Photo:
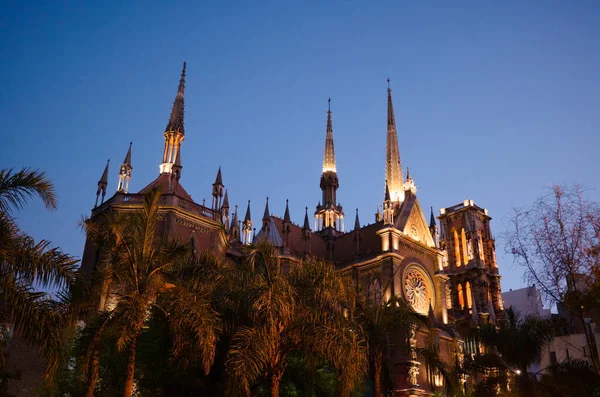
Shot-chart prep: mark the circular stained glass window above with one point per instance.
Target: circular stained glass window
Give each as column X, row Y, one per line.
column 418, row 290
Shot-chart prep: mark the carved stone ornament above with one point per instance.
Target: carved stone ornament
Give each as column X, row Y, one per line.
column 413, row 373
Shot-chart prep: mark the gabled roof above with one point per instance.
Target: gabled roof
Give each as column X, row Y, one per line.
column 410, row 213
column 162, row 183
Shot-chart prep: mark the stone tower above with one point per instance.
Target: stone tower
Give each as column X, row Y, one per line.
column 329, row 215
column 473, row 293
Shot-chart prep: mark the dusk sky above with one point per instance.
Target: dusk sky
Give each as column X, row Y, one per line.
column 494, row 101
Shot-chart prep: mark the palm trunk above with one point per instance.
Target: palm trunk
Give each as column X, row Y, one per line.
column 93, row 374
column 525, row 386
column 377, row 366
column 275, row 382
column 130, row 369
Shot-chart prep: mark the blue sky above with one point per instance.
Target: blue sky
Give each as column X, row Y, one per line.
column 494, row 100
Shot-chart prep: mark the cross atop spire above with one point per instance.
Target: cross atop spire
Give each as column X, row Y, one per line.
column 329, row 156
column 175, row 123
column 393, row 166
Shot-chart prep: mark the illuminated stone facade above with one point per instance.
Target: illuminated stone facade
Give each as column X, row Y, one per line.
column 452, row 277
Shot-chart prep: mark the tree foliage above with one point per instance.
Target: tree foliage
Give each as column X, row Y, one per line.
column 557, row 240
column 27, row 265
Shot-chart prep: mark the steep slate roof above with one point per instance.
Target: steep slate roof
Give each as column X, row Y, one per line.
column 274, row 235
column 317, row 244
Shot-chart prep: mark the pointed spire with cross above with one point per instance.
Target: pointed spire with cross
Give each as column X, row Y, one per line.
column 393, row 166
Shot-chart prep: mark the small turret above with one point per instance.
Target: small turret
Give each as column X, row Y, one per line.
column 234, row 228
column 378, row 215
column 247, row 227
column 357, row 232
column 102, row 184
column 388, row 207
column 306, row 233
column 125, row 172
column 433, row 228
column 217, row 192
column 225, row 211
column 409, row 184
column 266, row 219
column 287, row 228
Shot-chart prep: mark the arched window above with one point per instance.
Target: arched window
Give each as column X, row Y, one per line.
column 374, row 291
column 465, row 249
column 480, row 246
column 469, row 297
column 456, row 247
column 461, row 299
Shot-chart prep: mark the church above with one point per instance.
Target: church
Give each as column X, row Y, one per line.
column 445, row 269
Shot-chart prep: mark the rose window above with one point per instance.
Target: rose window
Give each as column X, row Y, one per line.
column 417, row 291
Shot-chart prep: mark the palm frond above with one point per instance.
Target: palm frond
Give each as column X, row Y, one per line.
column 16, row 188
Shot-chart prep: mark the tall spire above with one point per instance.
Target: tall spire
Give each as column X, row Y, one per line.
column 175, row 123
column 175, row 131
column 356, row 221
column 393, row 167
column 329, row 156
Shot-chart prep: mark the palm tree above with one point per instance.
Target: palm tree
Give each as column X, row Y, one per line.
column 26, row 265
column 297, row 312
column 140, row 276
column 517, row 344
column 379, row 321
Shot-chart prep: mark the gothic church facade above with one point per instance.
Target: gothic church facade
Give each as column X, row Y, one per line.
column 446, row 271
